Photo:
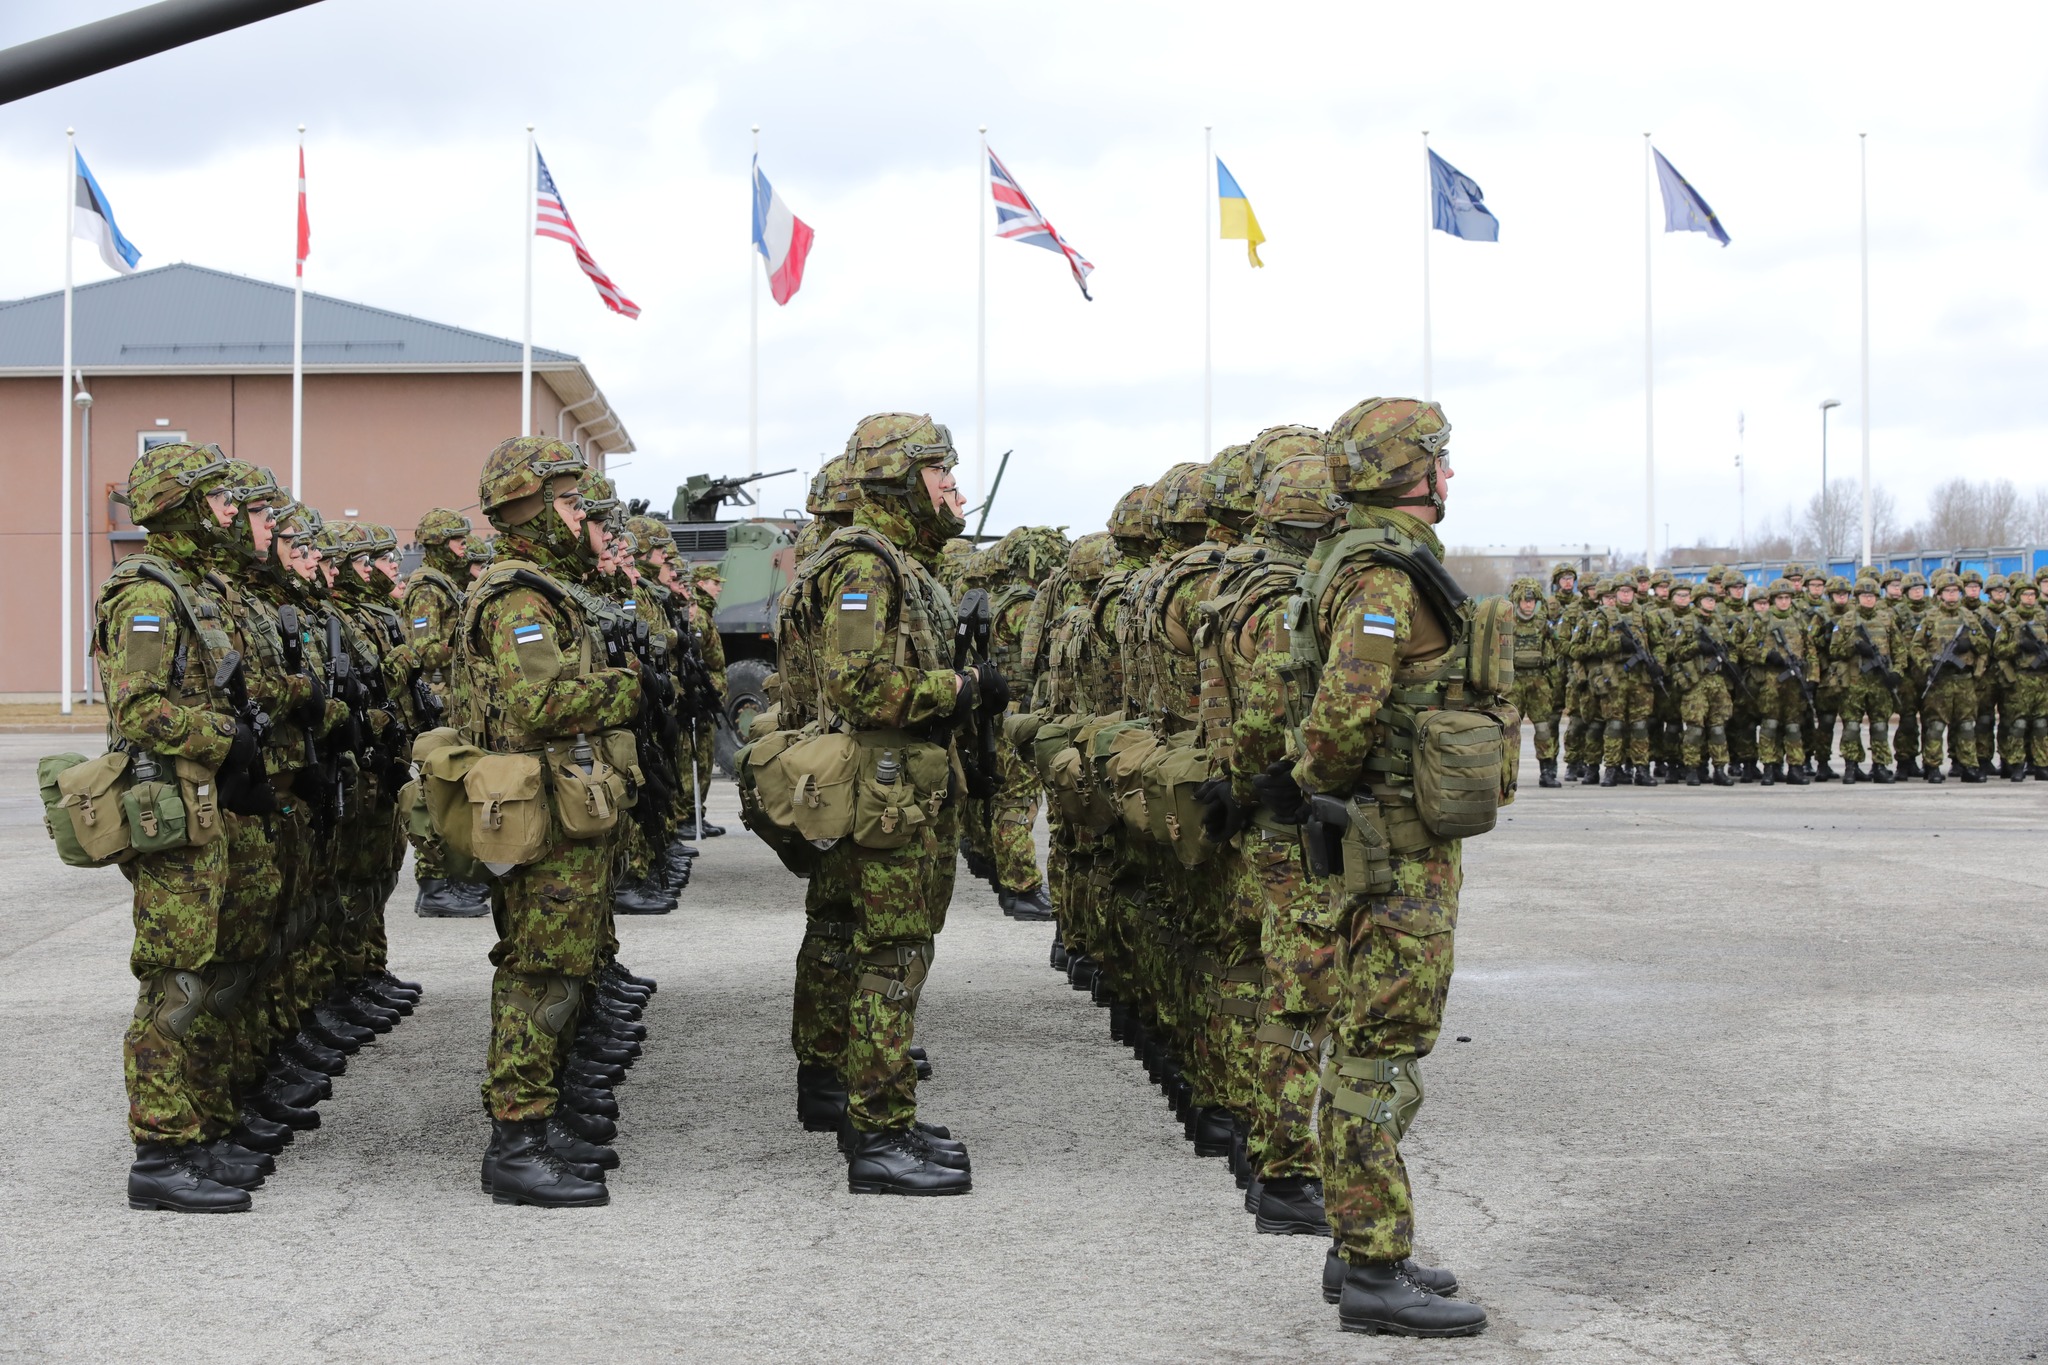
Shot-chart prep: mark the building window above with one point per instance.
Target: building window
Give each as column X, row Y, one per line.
column 146, row 441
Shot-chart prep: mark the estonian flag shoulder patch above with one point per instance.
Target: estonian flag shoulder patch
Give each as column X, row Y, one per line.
column 146, row 625
column 528, row 635
column 1372, row 623
column 853, row 601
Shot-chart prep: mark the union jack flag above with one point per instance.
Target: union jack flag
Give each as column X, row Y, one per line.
column 552, row 220
column 1018, row 220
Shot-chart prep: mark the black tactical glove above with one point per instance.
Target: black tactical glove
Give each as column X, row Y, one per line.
column 1222, row 816
column 993, row 690
column 1280, row 794
column 967, row 701
column 314, row 709
column 243, row 785
column 1775, row 659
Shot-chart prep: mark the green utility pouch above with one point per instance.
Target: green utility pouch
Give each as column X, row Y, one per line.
column 1460, row 769
column 165, row 809
column 1368, row 859
column 1490, row 646
column 901, row 786
column 412, row 811
column 765, row 797
column 622, row 751
column 1021, row 729
column 1117, row 755
column 82, row 807
column 587, row 799
column 444, row 761
column 1169, row 777
column 508, row 813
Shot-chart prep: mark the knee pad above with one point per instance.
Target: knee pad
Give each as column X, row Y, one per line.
column 549, row 998
column 1639, row 729
column 1966, row 728
column 1718, row 733
column 1694, row 734
column 1935, row 729
column 1792, row 732
column 2040, row 724
column 226, row 984
column 1767, row 726
column 1615, row 729
column 1349, row 1082
column 180, row 995
column 1546, row 729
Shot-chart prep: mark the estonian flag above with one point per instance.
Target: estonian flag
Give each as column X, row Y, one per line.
column 92, row 218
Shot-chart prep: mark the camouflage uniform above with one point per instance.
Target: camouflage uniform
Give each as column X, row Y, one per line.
column 1948, row 706
column 1536, row 684
column 1781, row 648
column 431, row 612
column 1865, row 646
column 1692, row 640
column 2022, row 654
column 1621, row 685
column 1907, row 609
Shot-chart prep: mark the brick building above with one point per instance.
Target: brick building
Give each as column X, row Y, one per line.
column 399, row 413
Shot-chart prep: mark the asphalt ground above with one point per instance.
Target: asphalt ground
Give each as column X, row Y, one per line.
column 1752, row 1076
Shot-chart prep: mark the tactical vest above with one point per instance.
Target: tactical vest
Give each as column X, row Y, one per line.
column 418, row 625
column 1254, row 578
column 256, row 625
column 1058, row 691
column 191, row 679
column 490, row 719
column 1529, row 644
column 1005, row 650
column 924, row 621
column 1099, row 671
column 1174, row 684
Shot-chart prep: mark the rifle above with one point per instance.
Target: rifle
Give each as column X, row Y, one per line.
column 970, row 646
column 2032, row 645
column 1946, row 657
column 626, row 641
column 288, row 627
column 1639, row 653
column 1877, row 661
column 700, row 694
column 1716, row 654
column 1792, row 666
column 343, row 686
column 232, row 679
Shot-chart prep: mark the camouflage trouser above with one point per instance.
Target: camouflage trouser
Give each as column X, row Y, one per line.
column 1741, row 728
column 896, row 900
column 824, row 970
column 1781, row 720
column 552, row 918
column 1867, row 699
column 176, row 1052
column 281, row 983
column 1113, row 901
column 1666, row 726
column 2026, row 726
column 366, row 848
column 1949, row 712
column 1827, row 707
column 1990, row 714
column 1704, row 708
column 1002, row 834
column 1536, row 698
column 1906, row 739
column 1582, row 737
column 1394, row 973
column 248, row 917
column 1624, row 710
column 1230, row 978
column 1300, row 949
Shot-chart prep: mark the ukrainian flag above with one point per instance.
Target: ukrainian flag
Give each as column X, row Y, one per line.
column 1239, row 222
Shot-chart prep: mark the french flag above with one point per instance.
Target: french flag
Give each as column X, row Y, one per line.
column 782, row 238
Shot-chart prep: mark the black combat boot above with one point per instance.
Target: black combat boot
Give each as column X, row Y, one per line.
column 328, row 1029
column 1909, row 766
column 490, row 1165
column 898, row 1161
column 1798, row 775
column 616, row 970
column 1751, row 770
column 209, row 1161
column 596, row 1074
column 642, row 898
column 266, row 1103
column 1547, row 767
column 411, row 988
column 1026, row 905
column 706, row 830
column 302, row 1088
column 1881, row 774
column 1693, row 775
column 2015, row 772
column 167, row 1177
column 1611, row 775
column 240, row 1154
column 528, row 1171
column 260, row 1134
column 1292, row 1206
column 1083, row 973
column 1644, row 778
column 440, row 898
column 1934, row 774
column 820, row 1099
column 573, row 1147
column 319, row 1057
column 1723, row 777
column 1971, row 773
column 1770, row 777
column 1213, row 1131
column 1240, row 1153
column 1851, row 774
column 934, row 1139
column 978, row 864
column 593, row 1049
column 1381, row 1296
column 583, row 1100
column 1435, row 1279
column 1057, row 958
column 587, row 1124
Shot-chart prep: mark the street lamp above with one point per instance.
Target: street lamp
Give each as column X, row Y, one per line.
column 1825, row 548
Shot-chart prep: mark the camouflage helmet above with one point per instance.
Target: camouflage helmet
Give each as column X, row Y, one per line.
column 1816, row 575
column 1184, row 499
column 1706, row 590
column 296, row 521
column 1127, row 518
column 1836, row 583
column 977, row 567
column 1238, row 474
column 1794, row 572
column 623, row 543
column 1945, row 578
column 1716, row 572
column 832, row 489
column 1523, row 588
column 162, row 477
column 341, row 540
column 1560, row 569
column 1089, row 558
column 1154, row 498
column 1781, row 587
column 478, row 551
column 1915, row 579
column 1972, row 576
column 378, row 540
column 888, row 448
column 1662, row 578
column 955, row 551
column 707, row 571
column 600, row 494
column 2023, row 585
column 517, row 473
column 1869, row 585
column 1296, row 495
column 439, row 526
column 1994, row 583
column 1676, row 585
column 1892, row 575
column 1604, row 586
column 1382, row 447
column 1029, row 554
column 650, row 534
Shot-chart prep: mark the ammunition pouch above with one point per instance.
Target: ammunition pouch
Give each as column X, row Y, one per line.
column 1168, row 780
column 82, row 809
column 890, row 814
column 587, row 800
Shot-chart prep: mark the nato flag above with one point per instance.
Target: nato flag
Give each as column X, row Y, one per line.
column 1460, row 203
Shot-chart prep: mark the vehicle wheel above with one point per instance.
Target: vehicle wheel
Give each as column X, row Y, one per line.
column 746, row 692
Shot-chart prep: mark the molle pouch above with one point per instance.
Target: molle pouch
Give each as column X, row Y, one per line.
column 1368, row 862
column 815, row 778
column 1169, row 777
column 758, row 777
column 1460, row 766
column 888, row 809
column 444, row 762
column 1053, row 736
column 1490, row 646
column 412, row 812
column 587, row 798
column 1066, row 777
column 508, row 813
column 622, row 751
column 1123, row 773
column 201, row 796
column 82, row 807
column 1510, row 751
column 154, row 812
column 1021, row 729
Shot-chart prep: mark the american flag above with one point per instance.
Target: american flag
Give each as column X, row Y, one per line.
column 1018, row 220
column 552, row 220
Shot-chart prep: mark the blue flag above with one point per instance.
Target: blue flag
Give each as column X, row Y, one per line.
column 1460, row 203
column 92, row 218
column 1684, row 210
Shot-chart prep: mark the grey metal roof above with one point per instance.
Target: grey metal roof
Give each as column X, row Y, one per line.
column 187, row 315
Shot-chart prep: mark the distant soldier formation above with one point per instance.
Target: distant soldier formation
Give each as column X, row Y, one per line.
column 1641, row 677
column 1262, row 719
column 532, row 714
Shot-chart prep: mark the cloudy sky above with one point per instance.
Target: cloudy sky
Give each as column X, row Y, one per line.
column 868, row 113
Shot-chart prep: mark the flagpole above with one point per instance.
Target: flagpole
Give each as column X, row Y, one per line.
column 1649, row 388
column 1208, row 297
column 64, row 408
column 1428, row 223
column 981, row 328
column 299, row 341
column 1863, row 193
column 754, row 328
column 526, row 345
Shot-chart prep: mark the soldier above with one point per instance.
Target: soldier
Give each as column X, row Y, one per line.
column 1021, row 561
column 1613, row 643
column 2022, row 654
column 1536, row 661
column 1388, row 628
column 875, row 628
column 1831, row 682
column 478, row 557
column 1954, row 649
column 1696, row 652
column 1866, row 646
column 1781, row 651
column 431, row 611
column 539, row 686
column 708, row 580
column 1992, row 721
column 1907, row 609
